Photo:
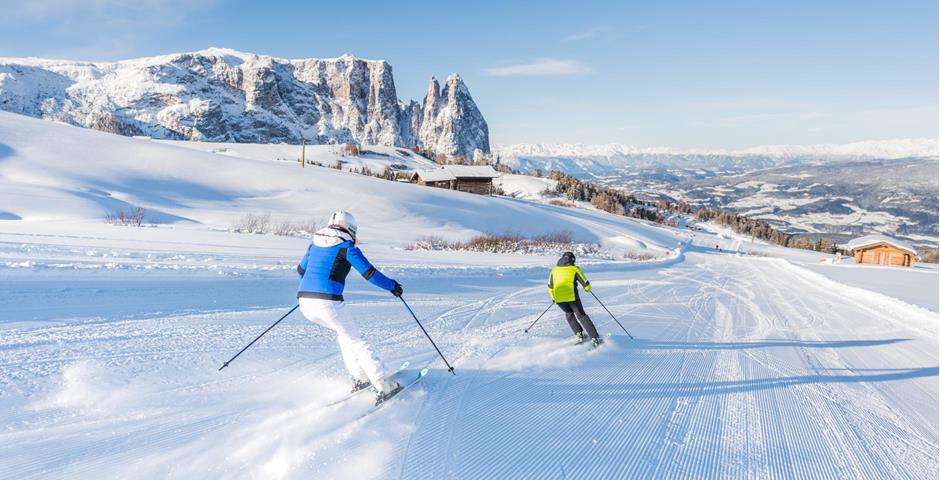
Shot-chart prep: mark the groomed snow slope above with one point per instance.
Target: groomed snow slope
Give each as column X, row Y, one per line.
column 742, row 367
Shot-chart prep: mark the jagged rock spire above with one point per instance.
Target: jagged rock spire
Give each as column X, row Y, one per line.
column 226, row 95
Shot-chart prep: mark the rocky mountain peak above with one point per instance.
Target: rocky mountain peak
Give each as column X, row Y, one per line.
column 225, row 95
column 432, row 97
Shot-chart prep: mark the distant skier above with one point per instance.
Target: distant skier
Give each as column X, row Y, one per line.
column 563, row 287
column 323, row 272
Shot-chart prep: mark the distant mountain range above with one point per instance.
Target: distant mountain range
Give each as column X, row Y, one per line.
column 608, row 159
column 836, row 191
column 222, row 95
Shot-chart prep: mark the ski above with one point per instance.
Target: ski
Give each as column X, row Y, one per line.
column 407, row 379
column 587, row 340
column 604, row 337
column 352, row 395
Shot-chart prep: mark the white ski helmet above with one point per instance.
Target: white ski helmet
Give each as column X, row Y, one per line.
column 344, row 221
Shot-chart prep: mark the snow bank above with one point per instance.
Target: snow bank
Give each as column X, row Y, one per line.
column 888, row 308
column 918, row 286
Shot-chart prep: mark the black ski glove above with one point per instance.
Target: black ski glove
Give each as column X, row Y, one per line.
column 397, row 290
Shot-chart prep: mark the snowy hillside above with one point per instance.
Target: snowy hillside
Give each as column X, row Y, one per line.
column 524, row 186
column 224, row 95
column 376, row 158
column 748, row 362
column 54, row 172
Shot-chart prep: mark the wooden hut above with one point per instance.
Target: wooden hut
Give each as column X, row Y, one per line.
column 439, row 178
column 473, row 178
column 882, row 250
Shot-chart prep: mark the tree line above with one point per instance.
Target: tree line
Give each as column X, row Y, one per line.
column 744, row 225
column 666, row 211
column 616, row 201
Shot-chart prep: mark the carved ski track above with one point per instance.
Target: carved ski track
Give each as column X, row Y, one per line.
column 807, row 399
column 870, row 425
column 677, row 432
column 836, row 402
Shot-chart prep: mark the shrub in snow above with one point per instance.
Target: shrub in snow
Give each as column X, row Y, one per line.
column 929, row 256
column 251, row 223
column 262, row 224
column 554, row 242
column 639, row 257
column 289, row 228
column 560, row 203
column 133, row 216
column 351, row 149
column 432, row 242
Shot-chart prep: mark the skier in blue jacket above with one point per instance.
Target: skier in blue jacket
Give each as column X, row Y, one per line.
column 323, row 272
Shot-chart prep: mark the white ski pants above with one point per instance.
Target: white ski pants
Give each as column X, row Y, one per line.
column 358, row 355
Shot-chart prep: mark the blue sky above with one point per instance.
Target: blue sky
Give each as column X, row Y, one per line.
column 681, row 74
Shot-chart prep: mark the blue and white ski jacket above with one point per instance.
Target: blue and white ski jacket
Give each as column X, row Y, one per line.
column 326, row 264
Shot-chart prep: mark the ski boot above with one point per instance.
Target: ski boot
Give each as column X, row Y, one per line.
column 360, row 385
column 579, row 338
column 386, row 389
column 596, row 342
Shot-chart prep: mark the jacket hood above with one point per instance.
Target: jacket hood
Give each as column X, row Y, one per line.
column 566, row 260
column 330, row 237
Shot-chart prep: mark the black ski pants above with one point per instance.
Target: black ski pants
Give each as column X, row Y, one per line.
column 574, row 309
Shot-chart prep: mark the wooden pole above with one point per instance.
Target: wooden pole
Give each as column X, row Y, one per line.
column 303, row 153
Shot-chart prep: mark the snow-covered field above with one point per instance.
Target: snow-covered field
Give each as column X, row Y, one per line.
column 525, row 186
column 756, row 362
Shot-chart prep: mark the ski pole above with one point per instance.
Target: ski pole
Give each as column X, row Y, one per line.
column 612, row 316
column 449, row 368
column 259, row 336
column 540, row 317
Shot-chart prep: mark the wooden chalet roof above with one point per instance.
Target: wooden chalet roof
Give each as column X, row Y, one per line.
column 435, row 175
column 471, row 171
column 873, row 240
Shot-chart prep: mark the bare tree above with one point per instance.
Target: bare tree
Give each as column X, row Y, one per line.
column 133, row 216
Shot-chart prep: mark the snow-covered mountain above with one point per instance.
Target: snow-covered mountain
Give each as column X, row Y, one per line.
column 223, row 95
column 608, row 159
column 625, row 154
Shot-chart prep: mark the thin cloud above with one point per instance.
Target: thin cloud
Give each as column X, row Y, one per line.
column 546, row 67
column 111, row 12
column 926, row 110
column 738, row 120
column 751, row 104
column 120, row 26
column 589, row 34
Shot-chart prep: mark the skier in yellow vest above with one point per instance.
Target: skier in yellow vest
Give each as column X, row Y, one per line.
column 563, row 287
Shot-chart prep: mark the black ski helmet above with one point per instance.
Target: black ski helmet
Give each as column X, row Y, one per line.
column 566, row 259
